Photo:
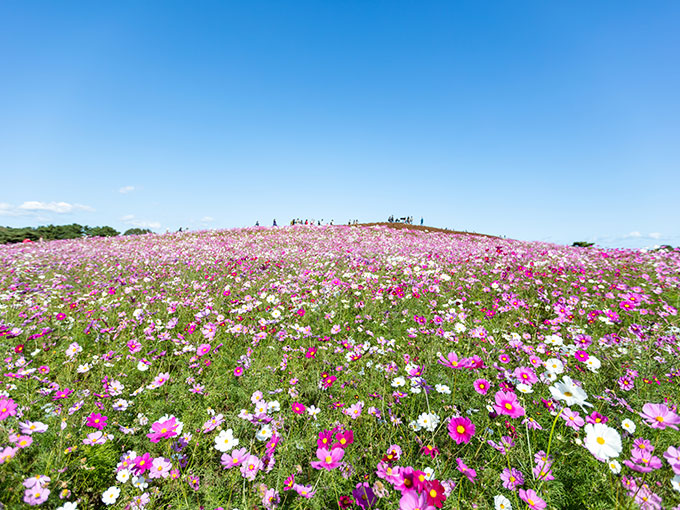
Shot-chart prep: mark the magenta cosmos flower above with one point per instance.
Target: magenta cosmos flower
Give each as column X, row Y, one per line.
column 298, row 408
column 203, row 349
column 97, row 421
column 506, row 403
column 658, row 416
column 482, row 386
column 461, row 429
column 328, row 459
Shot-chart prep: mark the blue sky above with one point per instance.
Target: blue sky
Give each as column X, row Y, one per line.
column 554, row 121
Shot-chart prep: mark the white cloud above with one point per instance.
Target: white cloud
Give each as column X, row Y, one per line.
column 126, row 189
column 33, row 207
column 129, row 219
column 655, row 235
column 635, row 233
column 207, row 219
column 7, row 209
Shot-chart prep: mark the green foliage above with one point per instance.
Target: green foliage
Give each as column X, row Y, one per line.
column 55, row 232
column 583, row 244
column 136, row 231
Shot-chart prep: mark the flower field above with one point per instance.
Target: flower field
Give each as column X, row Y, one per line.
column 337, row 367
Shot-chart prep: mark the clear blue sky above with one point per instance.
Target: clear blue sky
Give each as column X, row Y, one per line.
column 555, row 121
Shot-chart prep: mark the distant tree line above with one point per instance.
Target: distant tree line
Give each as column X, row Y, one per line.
column 52, row 232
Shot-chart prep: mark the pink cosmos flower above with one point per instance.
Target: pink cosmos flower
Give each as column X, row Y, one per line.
column 506, row 403
column 250, row 466
column 467, row 471
column 160, row 468
column 238, row 371
column 512, row 478
column 531, row 498
column 203, row 349
column 451, row 360
column 672, row 456
column 306, row 491
column 7, row 408
column 354, row 411
column 658, row 416
column 8, row 453
column 163, row 429
column 22, row 441
column 235, row 459
column 526, row 375
column 96, row 438
column 97, row 421
column 36, row 495
column 298, row 408
column 36, row 481
column 461, row 429
column 572, row 419
column 328, row 459
column 412, row 500
column 482, row 386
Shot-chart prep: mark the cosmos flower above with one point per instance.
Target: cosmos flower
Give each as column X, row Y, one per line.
column 532, row 499
column 658, row 416
column 602, row 441
column 7, row 408
column 507, row 404
column 569, row 392
column 461, row 429
column 328, row 459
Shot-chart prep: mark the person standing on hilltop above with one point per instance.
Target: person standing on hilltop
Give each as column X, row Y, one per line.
column 421, row 221
column 274, row 224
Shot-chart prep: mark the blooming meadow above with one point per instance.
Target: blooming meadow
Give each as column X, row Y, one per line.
column 337, row 367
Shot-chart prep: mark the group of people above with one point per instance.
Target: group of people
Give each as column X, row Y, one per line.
column 405, row 219
column 298, row 221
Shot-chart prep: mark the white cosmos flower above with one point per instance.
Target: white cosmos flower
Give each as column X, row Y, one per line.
column 123, row 475
column 614, row 466
column 629, row 425
column 569, row 392
column 225, row 441
column 593, row 364
column 501, row 503
column 111, row 495
column 398, row 382
column 264, row 433
column 554, row 366
column 524, row 388
column 675, row 482
column 602, row 441
column 443, row 388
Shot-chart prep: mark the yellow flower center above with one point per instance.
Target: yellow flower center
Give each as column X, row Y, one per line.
column 600, row 440
column 460, row 429
column 329, row 459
